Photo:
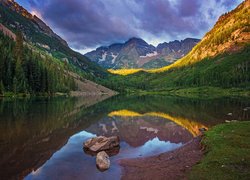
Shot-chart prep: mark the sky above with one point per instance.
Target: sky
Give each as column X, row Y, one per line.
column 87, row 24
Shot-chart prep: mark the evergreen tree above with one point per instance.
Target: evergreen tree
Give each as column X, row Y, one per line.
column 15, row 85
column 1, row 88
column 23, row 70
column 21, row 85
column 19, row 47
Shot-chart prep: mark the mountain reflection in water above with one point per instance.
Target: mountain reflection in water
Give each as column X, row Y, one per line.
column 34, row 133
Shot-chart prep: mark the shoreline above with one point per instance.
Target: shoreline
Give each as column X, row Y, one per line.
column 214, row 155
column 197, row 92
column 58, row 94
column 175, row 164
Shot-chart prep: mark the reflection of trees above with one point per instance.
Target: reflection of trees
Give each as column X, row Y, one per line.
column 205, row 111
column 32, row 130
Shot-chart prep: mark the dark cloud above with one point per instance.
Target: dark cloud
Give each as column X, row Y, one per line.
column 89, row 23
column 188, row 8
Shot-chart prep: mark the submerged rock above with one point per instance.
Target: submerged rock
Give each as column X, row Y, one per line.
column 101, row 143
column 102, row 161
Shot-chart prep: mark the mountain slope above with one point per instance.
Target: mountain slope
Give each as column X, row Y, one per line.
column 221, row 59
column 36, row 61
column 229, row 35
column 36, row 32
column 136, row 53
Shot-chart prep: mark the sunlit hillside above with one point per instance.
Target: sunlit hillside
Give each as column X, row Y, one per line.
column 230, row 34
column 125, row 72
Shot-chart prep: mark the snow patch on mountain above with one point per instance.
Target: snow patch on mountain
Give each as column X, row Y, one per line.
column 104, row 55
column 114, row 57
column 150, row 55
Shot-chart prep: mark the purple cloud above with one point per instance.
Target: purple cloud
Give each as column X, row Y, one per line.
column 90, row 23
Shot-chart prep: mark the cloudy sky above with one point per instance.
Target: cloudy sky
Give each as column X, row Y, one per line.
column 86, row 24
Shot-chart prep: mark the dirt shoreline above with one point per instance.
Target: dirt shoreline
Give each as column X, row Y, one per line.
column 170, row 165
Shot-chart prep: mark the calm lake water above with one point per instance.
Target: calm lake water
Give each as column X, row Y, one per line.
column 43, row 138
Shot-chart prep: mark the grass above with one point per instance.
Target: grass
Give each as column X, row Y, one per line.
column 28, row 95
column 227, row 153
column 198, row 92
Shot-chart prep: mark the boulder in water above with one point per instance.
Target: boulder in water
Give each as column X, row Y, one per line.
column 101, row 143
column 102, row 161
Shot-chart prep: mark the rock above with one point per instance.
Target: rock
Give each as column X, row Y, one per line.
column 111, row 152
column 101, row 143
column 102, row 161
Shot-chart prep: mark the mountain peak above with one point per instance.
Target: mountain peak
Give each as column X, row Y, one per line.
column 137, row 53
column 136, row 40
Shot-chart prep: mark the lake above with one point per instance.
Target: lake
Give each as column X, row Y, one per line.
column 42, row 138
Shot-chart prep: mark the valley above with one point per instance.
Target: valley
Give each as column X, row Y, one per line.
column 178, row 107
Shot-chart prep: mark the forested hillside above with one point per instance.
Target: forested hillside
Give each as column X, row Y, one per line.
column 225, row 71
column 221, row 59
column 36, row 61
column 26, row 71
column 36, row 32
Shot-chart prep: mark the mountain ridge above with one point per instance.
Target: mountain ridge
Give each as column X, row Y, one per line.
column 137, row 53
column 22, row 11
column 35, row 60
column 229, row 35
column 38, row 34
column 218, row 64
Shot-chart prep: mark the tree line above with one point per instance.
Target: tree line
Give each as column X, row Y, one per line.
column 27, row 71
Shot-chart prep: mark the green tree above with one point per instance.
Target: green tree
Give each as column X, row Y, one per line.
column 21, row 84
column 19, row 47
column 1, row 88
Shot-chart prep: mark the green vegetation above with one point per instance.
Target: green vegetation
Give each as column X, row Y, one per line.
column 228, row 153
column 224, row 71
column 40, row 68
column 218, row 64
column 156, row 63
column 24, row 71
column 198, row 92
column 58, row 48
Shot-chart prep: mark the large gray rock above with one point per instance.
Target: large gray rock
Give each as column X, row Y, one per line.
column 101, row 143
column 102, row 161
column 111, row 152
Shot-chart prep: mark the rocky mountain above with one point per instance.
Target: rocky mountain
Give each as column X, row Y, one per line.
column 136, row 53
column 145, row 129
column 219, row 60
column 16, row 18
